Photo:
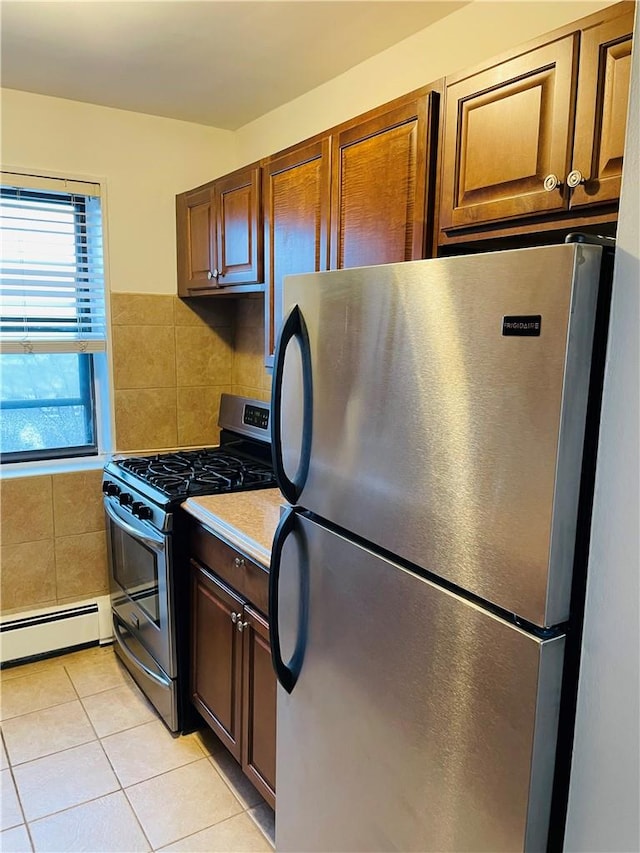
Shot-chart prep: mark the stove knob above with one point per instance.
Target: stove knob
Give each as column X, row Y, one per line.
column 141, row 510
column 126, row 499
column 110, row 488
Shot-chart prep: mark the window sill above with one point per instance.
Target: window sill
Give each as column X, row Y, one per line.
column 44, row 467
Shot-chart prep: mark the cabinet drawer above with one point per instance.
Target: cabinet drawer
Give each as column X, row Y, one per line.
column 242, row 574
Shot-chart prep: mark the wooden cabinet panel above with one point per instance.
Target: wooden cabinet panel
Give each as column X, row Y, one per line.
column 378, row 190
column 239, row 235
column 216, row 661
column 195, row 236
column 601, row 113
column 259, row 706
column 219, row 236
column 507, row 129
column 296, row 189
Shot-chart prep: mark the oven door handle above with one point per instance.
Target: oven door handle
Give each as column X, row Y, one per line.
column 155, row 542
column 122, row 644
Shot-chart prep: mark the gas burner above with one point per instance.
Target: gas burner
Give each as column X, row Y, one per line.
column 199, row 472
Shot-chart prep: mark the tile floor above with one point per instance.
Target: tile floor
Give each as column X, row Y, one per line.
column 87, row 765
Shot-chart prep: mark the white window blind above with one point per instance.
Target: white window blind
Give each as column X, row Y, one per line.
column 51, row 266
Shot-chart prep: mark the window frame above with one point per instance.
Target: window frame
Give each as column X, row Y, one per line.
column 94, row 373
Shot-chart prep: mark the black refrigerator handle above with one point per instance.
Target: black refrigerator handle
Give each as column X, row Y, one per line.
column 293, row 327
column 287, row 673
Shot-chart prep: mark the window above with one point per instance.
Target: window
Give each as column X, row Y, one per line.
column 52, row 318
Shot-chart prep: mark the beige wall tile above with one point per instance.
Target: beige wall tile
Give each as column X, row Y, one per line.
column 144, row 357
column 81, row 565
column 28, row 574
column 212, row 313
column 77, row 502
column 198, row 415
column 248, row 357
column 203, row 356
column 141, row 309
column 251, row 312
column 146, row 419
column 255, row 393
column 27, row 510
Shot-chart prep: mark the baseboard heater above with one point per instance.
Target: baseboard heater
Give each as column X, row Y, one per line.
column 46, row 632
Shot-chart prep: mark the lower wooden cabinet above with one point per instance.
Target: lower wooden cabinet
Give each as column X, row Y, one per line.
column 233, row 685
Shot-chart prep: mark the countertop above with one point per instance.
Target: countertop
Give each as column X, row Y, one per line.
column 245, row 520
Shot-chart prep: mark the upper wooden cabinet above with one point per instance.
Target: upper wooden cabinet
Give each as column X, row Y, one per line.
column 540, row 133
column 219, row 235
column 355, row 196
column 296, row 222
column 379, row 186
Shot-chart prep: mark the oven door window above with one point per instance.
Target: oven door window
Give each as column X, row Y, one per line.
column 135, row 570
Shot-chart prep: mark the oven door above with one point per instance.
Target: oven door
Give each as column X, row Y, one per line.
column 141, row 589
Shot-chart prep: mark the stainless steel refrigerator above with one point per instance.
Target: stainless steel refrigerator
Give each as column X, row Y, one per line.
column 429, row 428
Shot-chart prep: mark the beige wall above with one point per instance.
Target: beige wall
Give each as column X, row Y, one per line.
column 466, row 37
column 144, row 160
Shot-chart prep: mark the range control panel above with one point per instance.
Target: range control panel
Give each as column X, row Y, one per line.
column 256, row 416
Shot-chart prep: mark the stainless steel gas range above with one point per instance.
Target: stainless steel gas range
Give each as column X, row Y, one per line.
column 148, row 549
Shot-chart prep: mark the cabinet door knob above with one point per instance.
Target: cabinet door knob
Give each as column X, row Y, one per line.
column 238, row 562
column 213, row 274
column 575, row 178
column 235, row 617
column 242, row 625
column 551, row 182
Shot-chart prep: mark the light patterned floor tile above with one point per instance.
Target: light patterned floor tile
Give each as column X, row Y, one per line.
column 265, row 818
column 15, row 840
column 65, row 779
column 182, row 802
column 106, row 824
column 118, row 709
column 36, row 691
column 4, row 761
column 238, row 834
column 44, row 732
column 94, row 674
column 148, row 750
column 229, row 769
column 23, row 669
column 10, row 812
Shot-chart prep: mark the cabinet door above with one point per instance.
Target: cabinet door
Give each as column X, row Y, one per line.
column 507, row 129
column 239, row 235
column 259, row 706
column 601, row 112
column 195, row 239
column 216, row 660
column 378, row 188
column 296, row 190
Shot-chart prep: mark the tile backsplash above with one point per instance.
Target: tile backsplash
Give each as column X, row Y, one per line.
column 171, row 361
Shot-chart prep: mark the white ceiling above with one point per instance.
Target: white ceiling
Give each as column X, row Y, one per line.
column 216, row 62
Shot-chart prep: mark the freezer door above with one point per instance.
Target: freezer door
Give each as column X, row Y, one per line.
column 422, row 408
column 418, row 721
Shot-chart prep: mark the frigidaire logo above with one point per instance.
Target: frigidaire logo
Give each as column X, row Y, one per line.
column 525, row 326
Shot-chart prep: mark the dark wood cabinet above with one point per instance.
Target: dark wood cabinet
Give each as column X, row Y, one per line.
column 219, row 235
column 379, row 170
column 233, row 685
column 539, row 136
column 601, row 111
column 296, row 188
column 216, row 661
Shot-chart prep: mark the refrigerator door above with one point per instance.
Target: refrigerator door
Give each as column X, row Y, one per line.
column 419, row 722
column 436, row 408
